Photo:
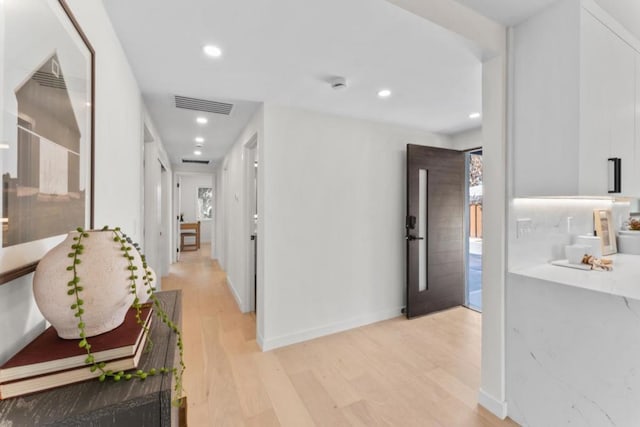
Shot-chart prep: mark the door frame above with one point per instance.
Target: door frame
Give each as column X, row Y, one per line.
column 165, row 219
column 177, row 202
column 250, row 189
column 467, row 225
column 223, row 216
column 156, row 235
column 178, row 180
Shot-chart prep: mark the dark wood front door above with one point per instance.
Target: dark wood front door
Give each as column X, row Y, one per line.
column 434, row 229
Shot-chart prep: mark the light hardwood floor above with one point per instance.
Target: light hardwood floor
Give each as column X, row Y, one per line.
column 423, row 372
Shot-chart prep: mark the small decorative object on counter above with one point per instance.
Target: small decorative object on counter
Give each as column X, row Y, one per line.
column 605, row 230
column 633, row 224
column 575, row 253
column 600, row 264
column 593, row 242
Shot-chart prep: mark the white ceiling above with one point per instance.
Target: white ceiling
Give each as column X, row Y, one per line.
column 627, row 12
column 512, row 12
column 178, row 128
column 283, row 52
column 507, row 12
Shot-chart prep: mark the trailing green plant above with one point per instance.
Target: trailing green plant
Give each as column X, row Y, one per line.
column 76, row 288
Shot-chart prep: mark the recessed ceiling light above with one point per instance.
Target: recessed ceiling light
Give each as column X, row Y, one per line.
column 199, row 139
column 197, row 152
column 474, row 115
column 202, row 120
column 384, row 93
column 4, row 146
column 212, row 51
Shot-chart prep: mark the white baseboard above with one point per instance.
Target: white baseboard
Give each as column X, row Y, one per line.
column 308, row 334
column 260, row 341
column 493, row 405
column 235, row 295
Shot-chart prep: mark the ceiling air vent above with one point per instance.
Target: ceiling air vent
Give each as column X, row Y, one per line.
column 200, row 162
column 203, row 105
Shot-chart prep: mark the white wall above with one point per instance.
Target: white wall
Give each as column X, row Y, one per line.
column 189, row 168
column 232, row 243
column 118, row 176
column 494, row 250
column 188, row 202
column 467, row 140
column 627, row 12
column 334, row 215
column 20, row 319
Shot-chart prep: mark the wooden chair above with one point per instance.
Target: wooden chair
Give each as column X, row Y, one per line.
column 189, row 230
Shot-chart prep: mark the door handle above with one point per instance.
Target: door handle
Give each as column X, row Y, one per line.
column 615, row 175
column 411, row 237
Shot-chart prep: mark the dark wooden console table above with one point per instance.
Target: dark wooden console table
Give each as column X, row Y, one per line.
column 127, row 403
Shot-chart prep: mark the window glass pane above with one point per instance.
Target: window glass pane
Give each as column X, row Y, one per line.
column 205, row 203
column 422, row 230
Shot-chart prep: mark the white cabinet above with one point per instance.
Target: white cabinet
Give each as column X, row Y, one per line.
column 607, row 114
column 574, row 104
column 636, row 166
column 545, row 94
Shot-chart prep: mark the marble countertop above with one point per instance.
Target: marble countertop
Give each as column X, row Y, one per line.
column 623, row 281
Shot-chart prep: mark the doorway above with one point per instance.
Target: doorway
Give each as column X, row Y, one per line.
column 194, row 213
column 157, row 207
column 474, row 230
column 177, row 202
column 163, row 207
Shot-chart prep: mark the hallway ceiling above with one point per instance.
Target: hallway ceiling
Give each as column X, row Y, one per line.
column 285, row 51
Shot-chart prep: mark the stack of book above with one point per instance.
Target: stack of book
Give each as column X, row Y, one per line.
column 50, row 361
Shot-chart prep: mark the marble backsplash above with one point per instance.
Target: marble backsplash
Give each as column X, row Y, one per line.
column 539, row 229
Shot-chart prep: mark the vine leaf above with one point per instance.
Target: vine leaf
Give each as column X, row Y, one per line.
column 127, row 246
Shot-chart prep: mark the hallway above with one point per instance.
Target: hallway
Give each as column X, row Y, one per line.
column 424, row 372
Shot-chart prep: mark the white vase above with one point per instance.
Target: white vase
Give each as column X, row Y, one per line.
column 104, row 276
